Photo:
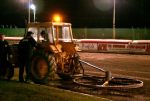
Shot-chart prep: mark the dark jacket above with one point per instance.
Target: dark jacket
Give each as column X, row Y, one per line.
column 4, row 50
column 25, row 48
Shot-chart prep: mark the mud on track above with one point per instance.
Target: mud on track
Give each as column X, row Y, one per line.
column 126, row 65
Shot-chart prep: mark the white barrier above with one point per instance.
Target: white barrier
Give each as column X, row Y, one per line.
column 106, row 45
column 13, row 40
column 114, row 45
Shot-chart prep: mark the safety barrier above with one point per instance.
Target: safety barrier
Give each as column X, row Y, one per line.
column 114, row 45
column 106, row 45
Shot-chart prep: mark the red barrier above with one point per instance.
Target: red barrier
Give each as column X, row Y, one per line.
column 106, row 45
column 114, row 45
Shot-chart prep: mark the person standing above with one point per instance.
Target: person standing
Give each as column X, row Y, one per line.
column 25, row 49
column 5, row 53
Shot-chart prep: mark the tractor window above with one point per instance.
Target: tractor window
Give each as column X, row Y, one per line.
column 43, row 34
column 66, row 35
column 62, row 33
column 46, row 34
column 57, row 33
column 59, row 29
column 50, row 37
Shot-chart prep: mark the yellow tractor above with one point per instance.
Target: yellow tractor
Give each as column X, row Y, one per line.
column 56, row 52
column 56, row 56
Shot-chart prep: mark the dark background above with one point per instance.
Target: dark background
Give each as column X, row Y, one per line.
column 81, row 13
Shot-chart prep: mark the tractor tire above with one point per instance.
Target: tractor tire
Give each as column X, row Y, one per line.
column 42, row 67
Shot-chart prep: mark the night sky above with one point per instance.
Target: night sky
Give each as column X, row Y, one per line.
column 81, row 13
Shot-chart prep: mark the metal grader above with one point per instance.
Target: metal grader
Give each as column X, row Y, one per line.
column 56, row 55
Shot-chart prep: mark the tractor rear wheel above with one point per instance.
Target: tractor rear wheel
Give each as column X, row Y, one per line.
column 42, row 67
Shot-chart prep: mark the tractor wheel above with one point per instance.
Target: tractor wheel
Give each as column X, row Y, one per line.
column 76, row 66
column 42, row 67
column 73, row 68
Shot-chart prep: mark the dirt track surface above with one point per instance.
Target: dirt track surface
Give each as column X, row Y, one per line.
column 125, row 65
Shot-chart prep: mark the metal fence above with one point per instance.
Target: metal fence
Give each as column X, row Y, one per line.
column 106, row 33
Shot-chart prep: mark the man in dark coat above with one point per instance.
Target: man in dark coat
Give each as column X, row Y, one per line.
column 5, row 52
column 25, row 49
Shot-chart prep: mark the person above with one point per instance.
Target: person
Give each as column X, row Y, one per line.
column 6, row 70
column 43, row 35
column 25, row 50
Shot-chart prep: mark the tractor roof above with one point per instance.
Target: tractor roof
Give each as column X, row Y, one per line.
column 48, row 24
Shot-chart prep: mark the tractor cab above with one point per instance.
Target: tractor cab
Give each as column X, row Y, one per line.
column 53, row 32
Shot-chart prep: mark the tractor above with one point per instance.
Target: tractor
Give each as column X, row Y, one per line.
column 56, row 52
column 56, row 57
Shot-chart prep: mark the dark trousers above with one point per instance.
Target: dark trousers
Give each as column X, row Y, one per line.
column 24, row 65
column 6, row 69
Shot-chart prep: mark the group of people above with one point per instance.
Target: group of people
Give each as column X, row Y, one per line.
column 25, row 50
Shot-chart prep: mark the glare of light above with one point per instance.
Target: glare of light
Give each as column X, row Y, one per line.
column 22, row 1
column 32, row 6
column 103, row 5
column 57, row 18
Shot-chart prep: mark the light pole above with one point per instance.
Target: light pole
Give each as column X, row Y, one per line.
column 114, row 19
column 32, row 6
column 29, row 2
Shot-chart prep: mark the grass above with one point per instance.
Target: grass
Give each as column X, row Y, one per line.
column 16, row 91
